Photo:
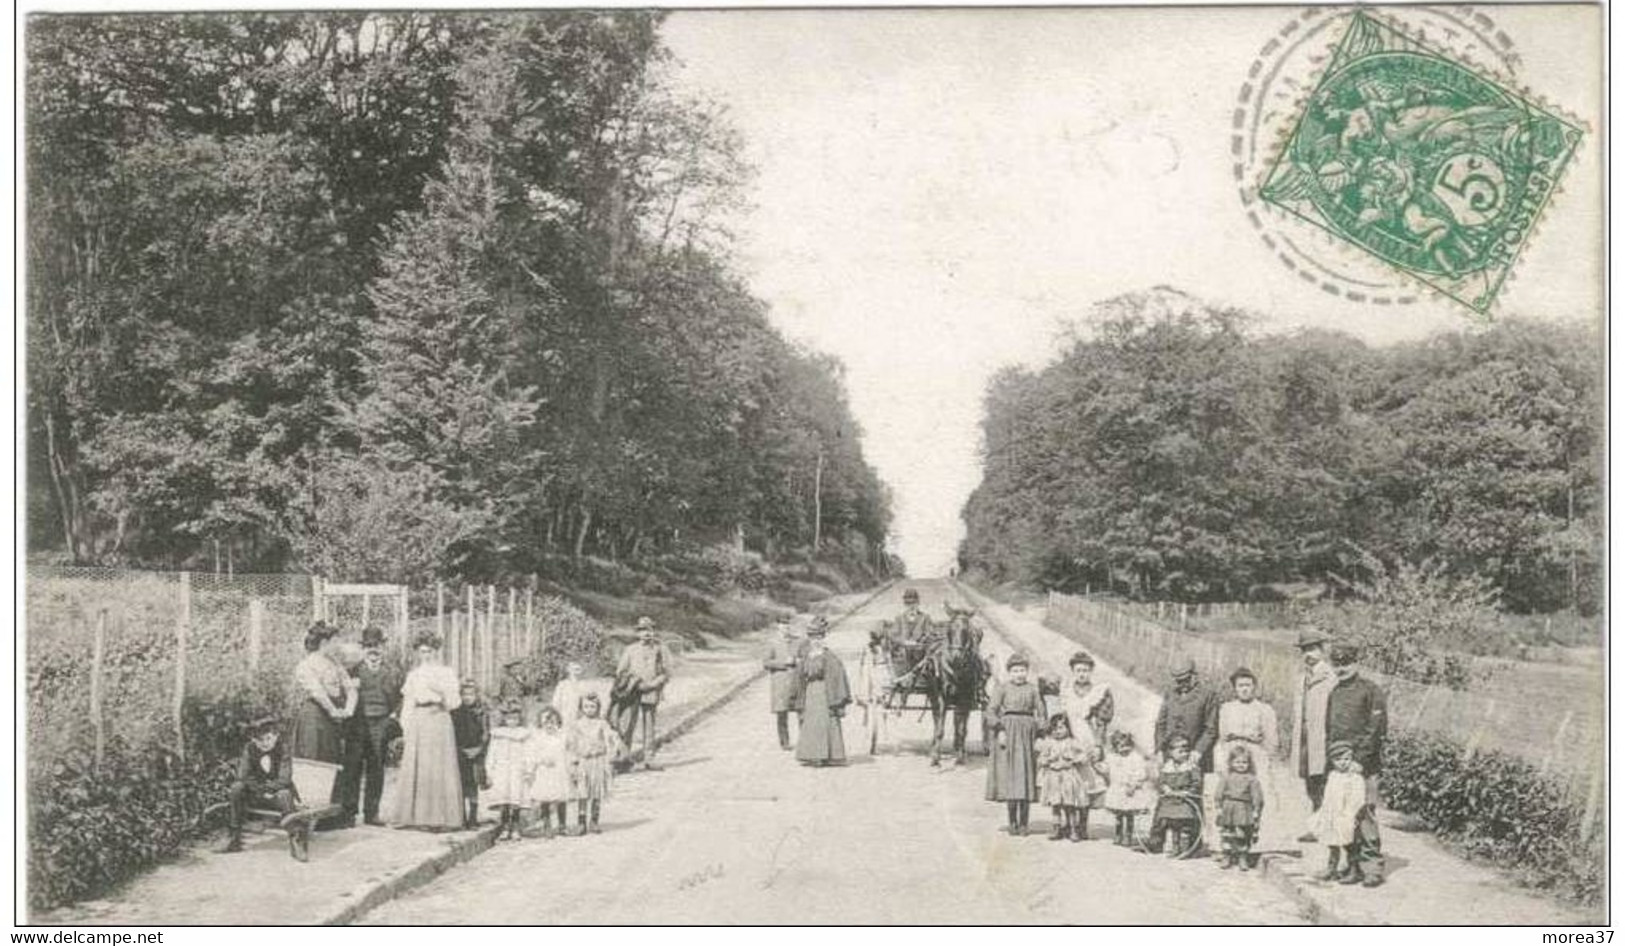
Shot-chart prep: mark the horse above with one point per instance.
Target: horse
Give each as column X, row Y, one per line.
column 953, row 675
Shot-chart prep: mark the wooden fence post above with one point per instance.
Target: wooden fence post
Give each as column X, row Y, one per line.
column 1593, row 797
column 366, row 610
column 471, row 626
column 440, row 611
column 452, row 646
column 183, row 623
column 403, row 612
column 530, row 618
column 98, row 649
column 256, row 630
column 513, row 635
column 315, row 597
column 490, row 664
column 1557, row 742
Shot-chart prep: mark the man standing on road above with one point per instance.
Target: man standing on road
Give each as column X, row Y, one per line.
column 367, row 733
column 1357, row 713
column 1190, row 709
column 1309, row 718
column 644, row 669
column 781, row 665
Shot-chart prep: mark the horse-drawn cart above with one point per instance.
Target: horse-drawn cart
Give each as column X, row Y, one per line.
column 939, row 671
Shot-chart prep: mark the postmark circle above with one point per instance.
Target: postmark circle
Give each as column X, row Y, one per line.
column 1435, row 208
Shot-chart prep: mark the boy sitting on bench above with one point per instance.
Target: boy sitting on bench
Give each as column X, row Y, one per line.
column 265, row 781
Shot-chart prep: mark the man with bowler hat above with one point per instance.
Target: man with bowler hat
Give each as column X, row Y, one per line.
column 1309, row 718
column 368, row 732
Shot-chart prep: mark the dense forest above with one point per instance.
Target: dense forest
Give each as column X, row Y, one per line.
column 1174, row 452
column 403, row 294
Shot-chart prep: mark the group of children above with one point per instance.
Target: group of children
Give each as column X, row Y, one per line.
column 533, row 772
column 1074, row 778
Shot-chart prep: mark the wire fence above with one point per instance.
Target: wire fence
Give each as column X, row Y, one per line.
column 1556, row 724
column 114, row 654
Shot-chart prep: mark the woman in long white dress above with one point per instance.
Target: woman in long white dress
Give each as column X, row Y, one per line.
column 428, row 790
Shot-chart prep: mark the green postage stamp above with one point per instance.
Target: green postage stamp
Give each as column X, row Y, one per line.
column 1422, row 162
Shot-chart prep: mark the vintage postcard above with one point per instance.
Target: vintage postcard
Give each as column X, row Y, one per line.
column 1136, row 466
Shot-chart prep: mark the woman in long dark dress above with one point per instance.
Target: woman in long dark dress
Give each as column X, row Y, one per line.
column 329, row 697
column 821, row 696
column 1016, row 710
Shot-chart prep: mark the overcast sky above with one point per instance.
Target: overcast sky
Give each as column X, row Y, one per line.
column 939, row 191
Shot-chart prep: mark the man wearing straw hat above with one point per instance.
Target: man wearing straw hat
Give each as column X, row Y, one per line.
column 642, row 674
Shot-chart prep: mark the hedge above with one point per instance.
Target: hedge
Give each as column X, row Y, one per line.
column 1499, row 808
column 90, row 827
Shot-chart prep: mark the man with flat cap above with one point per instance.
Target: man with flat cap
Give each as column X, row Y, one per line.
column 1309, row 718
column 643, row 672
column 1190, row 709
column 1357, row 713
column 780, row 663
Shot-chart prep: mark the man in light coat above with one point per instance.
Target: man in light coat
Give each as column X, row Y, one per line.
column 643, row 672
column 781, row 665
column 1309, row 718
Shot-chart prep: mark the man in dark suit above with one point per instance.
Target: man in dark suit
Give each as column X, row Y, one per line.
column 1357, row 713
column 367, row 733
column 1190, row 709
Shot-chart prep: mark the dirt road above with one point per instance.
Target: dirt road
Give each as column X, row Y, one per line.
column 734, row 831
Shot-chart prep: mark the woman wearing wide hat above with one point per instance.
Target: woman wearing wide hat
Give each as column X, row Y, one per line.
column 821, row 696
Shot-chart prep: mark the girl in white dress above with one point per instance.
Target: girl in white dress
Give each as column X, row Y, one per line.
column 1335, row 823
column 508, row 765
column 1129, row 786
column 549, row 772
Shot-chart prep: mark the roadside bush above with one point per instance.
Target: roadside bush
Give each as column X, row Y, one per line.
column 1496, row 807
column 565, row 633
column 91, row 827
column 1415, row 621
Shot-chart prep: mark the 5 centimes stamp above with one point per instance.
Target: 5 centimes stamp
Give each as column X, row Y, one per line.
column 1419, row 160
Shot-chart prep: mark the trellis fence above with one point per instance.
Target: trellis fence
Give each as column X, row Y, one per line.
column 1562, row 737
column 113, row 654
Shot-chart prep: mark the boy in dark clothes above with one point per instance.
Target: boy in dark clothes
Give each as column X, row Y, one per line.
column 472, row 730
column 1179, row 776
column 265, row 780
